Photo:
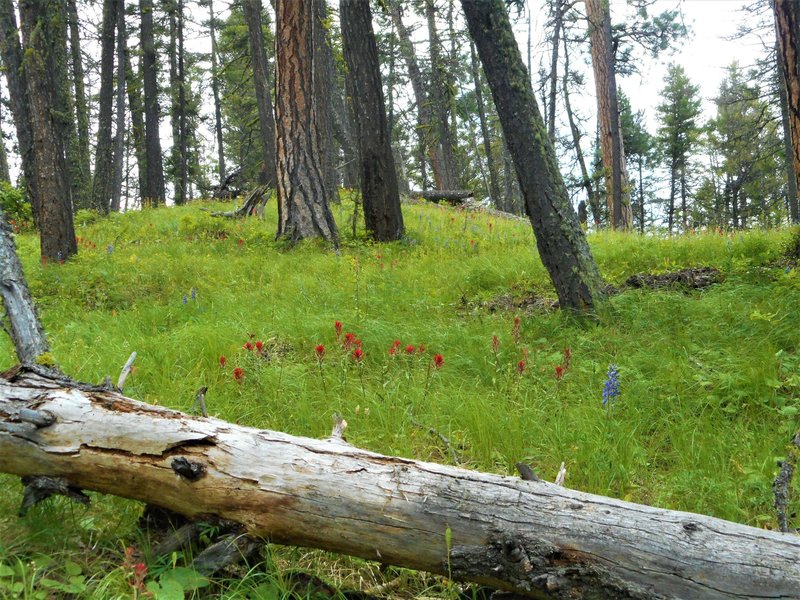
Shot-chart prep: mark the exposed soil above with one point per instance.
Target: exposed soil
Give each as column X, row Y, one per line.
column 695, row 278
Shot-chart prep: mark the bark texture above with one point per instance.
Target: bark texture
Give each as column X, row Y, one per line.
column 379, row 193
column 266, row 120
column 559, row 238
column 491, row 165
column 154, row 193
column 303, row 202
column 56, row 230
column 605, row 79
column 81, row 107
column 787, row 27
column 212, row 32
column 532, row 537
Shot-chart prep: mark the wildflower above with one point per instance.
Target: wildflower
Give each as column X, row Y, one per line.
column 521, row 366
column 349, row 339
column 248, row 346
column 516, row 330
column 337, row 325
column 358, row 355
column 559, row 371
column 611, row 387
column 259, row 345
column 320, row 351
column 567, row 357
column 410, row 349
column 396, row 343
column 392, row 351
column 438, row 361
column 420, row 348
column 240, row 241
column 357, row 342
column 185, row 299
column 194, row 294
column 238, row 374
column 222, row 360
column 109, row 249
column 495, row 344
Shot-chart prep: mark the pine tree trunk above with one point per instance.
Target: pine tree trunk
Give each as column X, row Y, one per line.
column 494, row 186
column 11, row 54
column 102, row 187
column 266, row 120
column 788, row 153
column 119, row 127
column 787, row 27
column 379, row 194
column 154, row 193
column 4, row 172
column 303, row 206
column 212, row 30
column 182, row 179
column 324, row 84
column 556, row 41
column 136, row 106
column 562, row 245
column 81, row 107
column 616, row 175
column 57, row 234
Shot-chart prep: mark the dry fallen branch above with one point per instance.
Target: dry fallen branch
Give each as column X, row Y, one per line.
column 781, row 484
column 531, row 537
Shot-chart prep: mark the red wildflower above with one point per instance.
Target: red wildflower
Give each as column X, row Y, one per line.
column 521, row 366
column 320, row 350
column 392, row 351
column 438, row 361
column 238, row 373
column 396, row 343
column 259, row 345
column 358, row 355
column 495, row 344
column 421, row 348
column 222, row 360
column 248, row 346
column 349, row 339
column 559, row 371
column 410, row 349
column 357, row 342
column 240, row 241
column 337, row 325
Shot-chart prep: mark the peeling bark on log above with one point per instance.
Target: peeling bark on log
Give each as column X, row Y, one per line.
column 530, row 537
column 451, row 196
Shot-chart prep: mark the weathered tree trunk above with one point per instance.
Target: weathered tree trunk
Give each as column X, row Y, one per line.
column 562, row 245
column 450, row 196
column 788, row 152
column 81, row 107
column 133, row 83
column 439, row 96
column 102, row 185
column 119, row 109
column 212, row 30
column 11, row 54
column 182, row 171
column 266, row 119
column 324, row 86
column 56, row 230
column 154, row 193
column 586, row 179
column 616, row 173
column 25, row 329
column 379, row 194
column 787, row 27
column 491, row 166
column 303, row 204
column 532, row 537
column 4, row 172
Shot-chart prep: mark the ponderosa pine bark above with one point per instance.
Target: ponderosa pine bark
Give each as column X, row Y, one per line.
column 613, row 152
column 103, row 183
column 379, row 194
column 266, row 119
column 11, row 54
column 562, row 245
column 787, row 28
column 303, row 201
column 154, row 191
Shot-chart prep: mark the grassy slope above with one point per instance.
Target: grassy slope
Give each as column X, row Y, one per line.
column 710, row 380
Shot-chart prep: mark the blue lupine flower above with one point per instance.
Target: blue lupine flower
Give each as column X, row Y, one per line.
column 194, row 294
column 109, row 248
column 611, row 388
column 185, row 299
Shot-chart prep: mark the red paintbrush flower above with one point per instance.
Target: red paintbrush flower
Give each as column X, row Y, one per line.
column 248, row 346
column 358, row 354
column 320, row 351
column 337, row 325
column 259, row 345
column 521, row 366
column 438, row 361
column 410, row 349
column 238, row 374
column 396, row 343
column 349, row 340
column 222, row 360
column 559, row 371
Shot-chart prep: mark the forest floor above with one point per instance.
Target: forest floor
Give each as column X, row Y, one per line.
column 709, row 374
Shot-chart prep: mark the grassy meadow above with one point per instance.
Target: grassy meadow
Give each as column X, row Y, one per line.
column 709, row 379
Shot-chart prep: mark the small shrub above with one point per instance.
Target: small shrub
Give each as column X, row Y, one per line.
column 16, row 207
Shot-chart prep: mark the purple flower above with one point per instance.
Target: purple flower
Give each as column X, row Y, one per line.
column 611, row 387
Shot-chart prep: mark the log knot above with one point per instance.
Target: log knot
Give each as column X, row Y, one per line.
column 188, row 469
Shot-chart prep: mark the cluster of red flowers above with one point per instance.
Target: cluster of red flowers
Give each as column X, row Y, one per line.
column 84, row 243
column 352, row 345
column 17, row 226
column 565, row 362
column 410, row 348
column 136, row 571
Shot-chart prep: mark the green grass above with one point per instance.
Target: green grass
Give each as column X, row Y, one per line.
column 710, row 380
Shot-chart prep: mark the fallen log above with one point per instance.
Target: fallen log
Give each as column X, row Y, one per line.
column 531, row 537
column 450, row 196
column 253, row 205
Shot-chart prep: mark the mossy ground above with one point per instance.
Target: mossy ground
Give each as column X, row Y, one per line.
column 710, row 380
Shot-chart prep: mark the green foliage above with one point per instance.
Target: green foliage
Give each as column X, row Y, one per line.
column 15, row 207
column 709, row 389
